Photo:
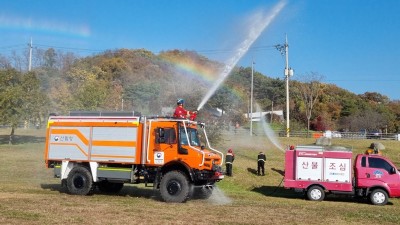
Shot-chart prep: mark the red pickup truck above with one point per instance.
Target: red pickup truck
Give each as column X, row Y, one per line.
column 321, row 170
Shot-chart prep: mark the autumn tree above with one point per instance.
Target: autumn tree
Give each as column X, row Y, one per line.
column 20, row 99
column 114, row 99
column 50, row 58
column 309, row 90
column 35, row 105
column 375, row 98
column 144, row 97
column 11, row 99
column 61, row 98
column 4, row 63
column 367, row 120
column 90, row 96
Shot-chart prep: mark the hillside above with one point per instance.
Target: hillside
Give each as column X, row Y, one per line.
column 139, row 80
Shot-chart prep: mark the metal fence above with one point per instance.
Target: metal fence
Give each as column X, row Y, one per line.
column 334, row 135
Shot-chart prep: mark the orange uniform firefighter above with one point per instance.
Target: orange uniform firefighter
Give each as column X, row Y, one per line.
column 230, row 157
column 182, row 113
column 260, row 163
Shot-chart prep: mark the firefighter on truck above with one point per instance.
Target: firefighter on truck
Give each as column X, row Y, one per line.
column 182, row 113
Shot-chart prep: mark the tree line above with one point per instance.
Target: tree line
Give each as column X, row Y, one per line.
column 139, row 80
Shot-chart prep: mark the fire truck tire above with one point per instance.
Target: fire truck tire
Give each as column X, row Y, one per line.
column 174, row 187
column 79, row 181
column 315, row 193
column 110, row 187
column 379, row 197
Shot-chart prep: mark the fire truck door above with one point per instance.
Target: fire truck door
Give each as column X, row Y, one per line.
column 380, row 170
column 361, row 173
column 166, row 145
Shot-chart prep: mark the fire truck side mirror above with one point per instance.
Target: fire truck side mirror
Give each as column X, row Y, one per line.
column 183, row 151
column 160, row 135
column 392, row 170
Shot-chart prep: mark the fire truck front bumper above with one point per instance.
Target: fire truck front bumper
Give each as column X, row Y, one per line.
column 209, row 176
column 218, row 176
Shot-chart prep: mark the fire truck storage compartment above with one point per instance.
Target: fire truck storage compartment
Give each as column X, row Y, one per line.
column 95, row 141
column 119, row 173
column 335, row 165
column 324, row 165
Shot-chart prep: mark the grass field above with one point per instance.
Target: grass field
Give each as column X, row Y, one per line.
column 30, row 195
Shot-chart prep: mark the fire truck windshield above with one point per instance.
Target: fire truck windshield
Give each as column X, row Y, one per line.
column 193, row 137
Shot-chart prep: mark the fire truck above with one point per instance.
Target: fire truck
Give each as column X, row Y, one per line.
column 107, row 151
column 321, row 170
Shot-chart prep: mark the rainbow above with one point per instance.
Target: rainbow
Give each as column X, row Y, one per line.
column 202, row 72
column 192, row 68
column 49, row 26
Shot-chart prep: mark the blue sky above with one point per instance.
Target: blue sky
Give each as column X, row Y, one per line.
column 352, row 43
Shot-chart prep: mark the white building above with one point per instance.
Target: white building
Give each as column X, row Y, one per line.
column 256, row 116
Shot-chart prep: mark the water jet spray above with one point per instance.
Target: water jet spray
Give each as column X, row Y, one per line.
column 259, row 24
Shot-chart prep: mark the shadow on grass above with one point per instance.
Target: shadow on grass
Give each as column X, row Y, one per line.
column 281, row 192
column 251, row 170
column 139, row 192
column 281, row 172
column 277, row 191
column 53, row 187
column 127, row 190
column 21, row 139
column 254, row 171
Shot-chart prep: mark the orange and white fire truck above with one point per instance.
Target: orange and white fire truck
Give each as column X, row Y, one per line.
column 107, row 151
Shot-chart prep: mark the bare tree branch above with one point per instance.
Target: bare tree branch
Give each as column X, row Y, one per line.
column 310, row 89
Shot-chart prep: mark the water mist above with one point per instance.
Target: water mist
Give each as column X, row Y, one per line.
column 268, row 131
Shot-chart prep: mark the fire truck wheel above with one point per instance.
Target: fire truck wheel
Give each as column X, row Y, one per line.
column 378, row 197
column 79, row 181
column 109, row 187
column 174, row 187
column 315, row 193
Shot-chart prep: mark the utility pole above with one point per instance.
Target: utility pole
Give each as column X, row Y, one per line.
column 30, row 56
column 272, row 111
column 284, row 49
column 251, row 99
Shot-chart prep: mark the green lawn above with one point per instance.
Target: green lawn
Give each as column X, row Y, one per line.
column 30, row 195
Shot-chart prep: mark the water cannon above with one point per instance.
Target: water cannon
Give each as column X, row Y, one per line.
column 193, row 115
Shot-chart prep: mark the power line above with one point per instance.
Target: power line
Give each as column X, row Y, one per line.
column 11, row 46
column 216, row 51
column 204, row 51
column 366, row 80
column 70, row 48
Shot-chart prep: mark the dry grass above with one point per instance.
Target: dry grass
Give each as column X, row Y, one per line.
column 29, row 194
